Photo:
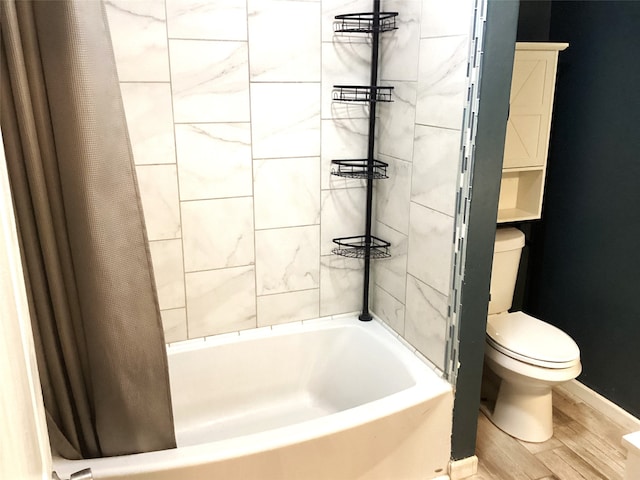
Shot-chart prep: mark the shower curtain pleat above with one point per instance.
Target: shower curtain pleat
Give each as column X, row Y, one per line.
column 97, row 327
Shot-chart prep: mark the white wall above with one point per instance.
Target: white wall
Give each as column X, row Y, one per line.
column 24, row 444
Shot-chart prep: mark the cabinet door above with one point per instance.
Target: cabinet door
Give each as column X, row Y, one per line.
column 532, row 88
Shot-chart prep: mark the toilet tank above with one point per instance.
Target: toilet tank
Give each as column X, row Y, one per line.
column 504, row 271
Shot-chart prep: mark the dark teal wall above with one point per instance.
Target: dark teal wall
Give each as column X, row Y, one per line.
column 495, row 84
column 534, row 20
column 584, row 256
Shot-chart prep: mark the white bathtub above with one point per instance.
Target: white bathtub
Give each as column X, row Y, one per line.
column 322, row 399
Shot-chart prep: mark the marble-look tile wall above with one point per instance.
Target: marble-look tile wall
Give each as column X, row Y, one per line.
column 233, row 129
column 420, row 136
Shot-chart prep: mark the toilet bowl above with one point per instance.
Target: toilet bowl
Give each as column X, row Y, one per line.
column 525, row 354
column 529, row 357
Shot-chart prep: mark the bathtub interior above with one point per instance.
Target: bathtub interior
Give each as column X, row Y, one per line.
column 327, row 398
column 257, row 384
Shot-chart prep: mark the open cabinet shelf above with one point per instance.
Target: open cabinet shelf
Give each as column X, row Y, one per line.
column 520, row 195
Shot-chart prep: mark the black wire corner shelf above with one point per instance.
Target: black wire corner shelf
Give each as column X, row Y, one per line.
column 367, row 246
column 365, row 22
column 361, row 93
column 359, row 168
column 356, row 247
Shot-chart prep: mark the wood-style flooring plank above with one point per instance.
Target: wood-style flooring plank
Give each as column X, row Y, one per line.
column 606, row 460
column 586, row 445
column 482, row 474
column 535, row 448
column 567, row 466
column 591, row 419
column 559, row 417
column 503, row 457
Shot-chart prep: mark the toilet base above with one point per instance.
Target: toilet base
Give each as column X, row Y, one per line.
column 524, row 412
column 523, row 405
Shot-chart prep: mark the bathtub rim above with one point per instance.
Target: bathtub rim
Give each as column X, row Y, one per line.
column 428, row 387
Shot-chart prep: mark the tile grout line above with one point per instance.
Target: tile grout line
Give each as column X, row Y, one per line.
column 253, row 160
column 320, row 202
column 175, row 149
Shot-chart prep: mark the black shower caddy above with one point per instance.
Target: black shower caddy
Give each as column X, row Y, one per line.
column 364, row 246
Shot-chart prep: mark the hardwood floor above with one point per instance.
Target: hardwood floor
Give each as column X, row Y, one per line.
column 586, row 445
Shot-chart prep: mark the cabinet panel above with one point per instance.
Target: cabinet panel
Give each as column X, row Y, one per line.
column 527, row 137
column 532, row 88
column 523, row 141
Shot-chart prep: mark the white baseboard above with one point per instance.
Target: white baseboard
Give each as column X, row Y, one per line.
column 463, row 468
column 601, row 404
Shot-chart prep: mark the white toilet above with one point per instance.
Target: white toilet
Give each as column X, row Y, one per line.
column 527, row 355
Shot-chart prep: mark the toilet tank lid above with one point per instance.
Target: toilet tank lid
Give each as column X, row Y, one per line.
column 508, row 239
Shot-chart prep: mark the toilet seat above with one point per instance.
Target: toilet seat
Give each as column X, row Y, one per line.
column 532, row 341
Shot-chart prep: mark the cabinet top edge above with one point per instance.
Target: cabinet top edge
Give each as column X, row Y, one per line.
column 554, row 46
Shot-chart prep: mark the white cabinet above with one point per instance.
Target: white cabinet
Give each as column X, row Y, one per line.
column 527, row 141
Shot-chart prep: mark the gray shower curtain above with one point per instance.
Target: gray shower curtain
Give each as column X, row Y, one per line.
column 93, row 303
